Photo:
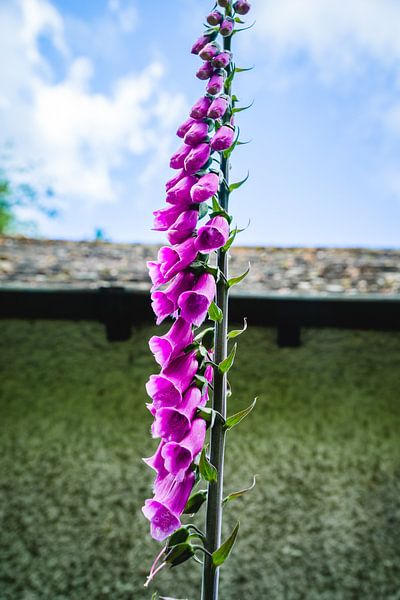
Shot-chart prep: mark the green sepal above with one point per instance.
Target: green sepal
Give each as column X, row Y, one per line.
column 206, row 337
column 236, row 332
column 234, row 280
column 240, row 493
column 239, row 20
column 239, row 416
column 179, row 554
column 226, row 364
column 195, row 502
column 209, row 415
column 203, row 210
column 178, row 537
column 215, row 313
column 207, row 470
column 220, row 555
column 238, row 184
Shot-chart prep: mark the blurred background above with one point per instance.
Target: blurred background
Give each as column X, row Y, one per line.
column 91, row 94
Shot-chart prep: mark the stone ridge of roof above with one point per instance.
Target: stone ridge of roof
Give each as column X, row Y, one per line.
column 42, row 263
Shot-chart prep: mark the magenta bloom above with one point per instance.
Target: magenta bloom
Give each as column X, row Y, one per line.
column 222, row 60
column 197, row 133
column 216, row 84
column 167, row 347
column 242, row 7
column 182, row 129
column 226, row 27
column 177, row 159
column 199, row 110
column 195, row 303
column 223, row 139
column 200, row 43
column 165, row 217
column 164, row 509
column 183, row 227
column 180, row 192
column 171, row 424
column 209, row 51
column 197, row 158
column 218, row 107
column 167, row 388
column 205, row 71
column 179, row 457
column 171, row 182
column 165, row 302
column 205, row 188
column 173, row 259
column 214, row 18
column 212, row 235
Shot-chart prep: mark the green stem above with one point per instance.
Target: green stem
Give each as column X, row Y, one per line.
column 217, row 440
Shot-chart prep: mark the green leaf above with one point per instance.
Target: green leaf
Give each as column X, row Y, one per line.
column 178, row 537
column 226, row 364
column 234, row 280
column 205, row 331
column 238, row 184
column 226, row 153
column 243, row 28
column 203, row 210
column 154, row 596
column 228, row 81
column 220, row 555
column 239, row 20
column 239, row 416
column 236, row 332
column 195, row 502
column 215, row 313
column 241, row 70
column 235, row 495
column 216, row 205
column 207, row 470
column 242, row 108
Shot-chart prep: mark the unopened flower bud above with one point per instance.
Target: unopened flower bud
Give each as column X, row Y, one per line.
column 215, row 18
column 216, row 84
column 222, row 60
column 218, row 107
column 224, row 3
column 197, row 158
column 205, row 71
column 226, row 27
column 177, row 159
column 196, row 134
column 200, row 43
column 209, row 51
column 182, row 129
column 205, row 188
column 199, row 110
column 242, row 7
column 223, row 139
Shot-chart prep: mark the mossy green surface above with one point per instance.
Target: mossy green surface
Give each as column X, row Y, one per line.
column 322, row 522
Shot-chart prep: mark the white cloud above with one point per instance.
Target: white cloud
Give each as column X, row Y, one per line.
column 75, row 138
column 125, row 12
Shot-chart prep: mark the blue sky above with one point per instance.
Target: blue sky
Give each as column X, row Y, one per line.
column 93, row 91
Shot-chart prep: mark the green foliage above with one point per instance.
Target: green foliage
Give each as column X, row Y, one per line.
column 206, row 469
column 221, row 554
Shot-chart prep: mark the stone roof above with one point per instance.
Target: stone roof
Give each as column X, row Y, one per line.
column 38, row 263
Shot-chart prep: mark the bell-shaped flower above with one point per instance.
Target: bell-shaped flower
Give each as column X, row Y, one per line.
column 209, row 51
column 182, row 129
column 216, row 84
column 200, row 43
column 197, row 158
column 214, row 18
column 226, row 27
column 167, row 347
column 195, row 303
column 172, row 423
column 167, row 388
column 157, row 278
column 164, row 510
column 218, row 107
column 178, row 158
column 196, row 134
column 205, row 187
column 205, row 71
column 213, row 235
column 183, row 227
column 179, row 456
column 180, row 192
column 242, row 7
column 176, row 258
column 156, row 462
column 165, row 302
column 164, row 218
column 223, row 139
column 171, row 182
column 199, row 109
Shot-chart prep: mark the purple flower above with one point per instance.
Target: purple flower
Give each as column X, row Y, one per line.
column 183, row 227
column 182, row 129
column 212, row 235
column 157, row 278
column 216, row 84
column 171, row 182
column 224, row 3
column 223, row 139
column 214, row 18
column 166, row 389
column 197, row 133
column 180, row 192
column 199, row 110
column 165, row 217
column 179, row 457
column 171, row 424
column 200, row 43
column 206, row 187
column 167, row 347
column 209, row 51
column 177, row 159
column 222, row 60
column 226, row 27
column 164, row 509
column 197, row 158
column 195, row 303
column 218, row 107
column 205, row 71
column 173, row 259
column 165, row 302
column 156, row 461
column 242, row 7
